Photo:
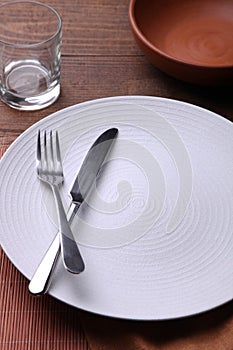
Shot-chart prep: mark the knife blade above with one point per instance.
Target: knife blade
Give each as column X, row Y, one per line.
column 81, row 188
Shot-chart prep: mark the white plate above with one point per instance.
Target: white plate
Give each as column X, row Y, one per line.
column 157, row 236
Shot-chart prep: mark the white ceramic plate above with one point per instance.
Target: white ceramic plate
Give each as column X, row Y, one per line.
column 157, row 233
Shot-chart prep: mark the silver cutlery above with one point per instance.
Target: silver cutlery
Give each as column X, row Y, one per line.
column 82, row 186
column 49, row 170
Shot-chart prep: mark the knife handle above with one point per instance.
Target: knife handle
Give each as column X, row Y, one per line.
column 40, row 280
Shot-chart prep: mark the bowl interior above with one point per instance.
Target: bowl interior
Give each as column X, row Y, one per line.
column 197, row 32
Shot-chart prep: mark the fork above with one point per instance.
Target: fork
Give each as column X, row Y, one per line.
column 49, row 170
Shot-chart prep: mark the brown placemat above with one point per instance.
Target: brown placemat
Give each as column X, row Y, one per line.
column 212, row 330
column 34, row 323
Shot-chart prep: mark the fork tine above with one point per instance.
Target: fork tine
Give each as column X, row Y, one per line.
column 58, row 153
column 45, row 150
column 38, row 148
column 51, row 147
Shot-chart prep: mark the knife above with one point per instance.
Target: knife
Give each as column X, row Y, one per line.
column 82, row 186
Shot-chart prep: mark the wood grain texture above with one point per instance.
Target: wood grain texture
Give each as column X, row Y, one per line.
column 99, row 59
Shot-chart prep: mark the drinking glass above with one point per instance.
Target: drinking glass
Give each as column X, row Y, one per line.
column 30, row 50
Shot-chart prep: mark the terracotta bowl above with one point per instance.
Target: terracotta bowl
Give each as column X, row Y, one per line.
column 191, row 40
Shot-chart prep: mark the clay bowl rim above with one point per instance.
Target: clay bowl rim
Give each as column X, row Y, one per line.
column 136, row 29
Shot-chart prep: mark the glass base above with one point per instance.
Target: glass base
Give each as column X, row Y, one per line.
column 31, row 103
column 28, row 85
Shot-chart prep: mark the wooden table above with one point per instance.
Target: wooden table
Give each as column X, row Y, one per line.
column 99, row 59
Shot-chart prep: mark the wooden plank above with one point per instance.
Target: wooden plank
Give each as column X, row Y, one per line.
column 86, row 78
column 96, row 28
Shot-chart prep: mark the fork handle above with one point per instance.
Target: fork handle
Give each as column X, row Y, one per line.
column 40, row 281
column 71, row 256
column 41, row 278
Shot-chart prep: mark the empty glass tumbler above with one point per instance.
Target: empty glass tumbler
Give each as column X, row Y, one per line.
column 30, row 51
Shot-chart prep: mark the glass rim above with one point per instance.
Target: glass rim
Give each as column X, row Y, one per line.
column 24, row 45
